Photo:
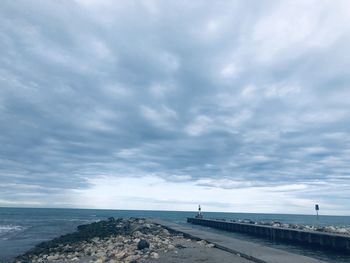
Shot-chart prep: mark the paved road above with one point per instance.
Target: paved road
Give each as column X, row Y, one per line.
column 252, row 251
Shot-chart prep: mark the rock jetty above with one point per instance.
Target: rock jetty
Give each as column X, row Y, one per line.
column 129, row 240
column 325, row 229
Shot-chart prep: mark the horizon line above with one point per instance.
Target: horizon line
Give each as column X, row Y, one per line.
column 158, row 210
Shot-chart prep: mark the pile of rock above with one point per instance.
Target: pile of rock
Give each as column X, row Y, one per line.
column 328, row 229
column 115, row 240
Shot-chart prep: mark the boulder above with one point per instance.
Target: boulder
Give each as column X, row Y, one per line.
column 142, row 244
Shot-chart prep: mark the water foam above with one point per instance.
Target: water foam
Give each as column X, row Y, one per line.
column 4, row 229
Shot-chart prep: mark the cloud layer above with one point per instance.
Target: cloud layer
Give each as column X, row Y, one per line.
column 241, row 106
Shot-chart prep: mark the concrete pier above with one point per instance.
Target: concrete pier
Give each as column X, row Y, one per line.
column 323, row 240
column 250, row 251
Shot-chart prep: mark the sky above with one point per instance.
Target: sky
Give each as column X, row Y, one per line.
column 240, row 106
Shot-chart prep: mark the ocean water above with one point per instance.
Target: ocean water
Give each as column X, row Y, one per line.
column 22, row 228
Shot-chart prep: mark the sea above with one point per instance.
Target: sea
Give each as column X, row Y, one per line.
column 23, row 228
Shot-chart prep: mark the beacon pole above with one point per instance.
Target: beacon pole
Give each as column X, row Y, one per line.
column 317, row 208
column 199, row 214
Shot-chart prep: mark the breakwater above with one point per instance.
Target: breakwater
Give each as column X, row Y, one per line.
column 324, row 240
column 122, row 240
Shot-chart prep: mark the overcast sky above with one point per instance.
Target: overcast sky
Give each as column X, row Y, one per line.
column 240, row 106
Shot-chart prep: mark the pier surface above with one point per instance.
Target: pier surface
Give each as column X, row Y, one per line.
column 320, row 239
column 248, row 250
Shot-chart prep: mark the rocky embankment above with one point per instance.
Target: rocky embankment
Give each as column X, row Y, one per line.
column 114, row 240
column 327, row 229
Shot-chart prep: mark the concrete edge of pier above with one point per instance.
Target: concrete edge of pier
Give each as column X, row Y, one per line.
column 323, row 240
column 248, row 250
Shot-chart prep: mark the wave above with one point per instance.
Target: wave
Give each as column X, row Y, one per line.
column 4, row 229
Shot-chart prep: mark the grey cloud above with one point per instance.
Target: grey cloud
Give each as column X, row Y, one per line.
column 174, row 89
